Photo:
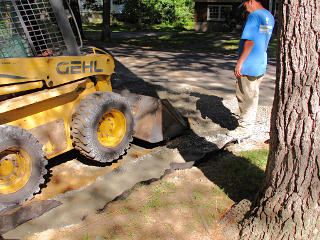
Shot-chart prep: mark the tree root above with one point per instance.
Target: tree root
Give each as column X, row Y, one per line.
column 230, row 221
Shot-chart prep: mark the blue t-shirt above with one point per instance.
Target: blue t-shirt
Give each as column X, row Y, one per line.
column 258, row 28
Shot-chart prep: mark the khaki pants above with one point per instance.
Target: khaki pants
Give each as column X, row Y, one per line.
column 247, row 93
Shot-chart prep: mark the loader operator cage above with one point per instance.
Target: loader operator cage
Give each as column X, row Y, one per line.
column 29, row 28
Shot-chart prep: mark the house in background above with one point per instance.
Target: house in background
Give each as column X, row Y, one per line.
column 222, row 15
column 116, row 7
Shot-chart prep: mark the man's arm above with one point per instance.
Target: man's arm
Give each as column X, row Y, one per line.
column 248, row 45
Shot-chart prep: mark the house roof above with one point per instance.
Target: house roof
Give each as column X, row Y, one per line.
column 219, row 1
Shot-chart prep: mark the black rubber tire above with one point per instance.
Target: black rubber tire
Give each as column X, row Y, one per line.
column 19, row 138
column 85, row 122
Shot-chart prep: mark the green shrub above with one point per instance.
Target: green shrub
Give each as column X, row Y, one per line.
column 179, row 12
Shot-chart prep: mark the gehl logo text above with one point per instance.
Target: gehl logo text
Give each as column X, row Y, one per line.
column 75, row 67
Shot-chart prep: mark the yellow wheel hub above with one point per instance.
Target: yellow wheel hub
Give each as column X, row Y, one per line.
column 15, row 170
column 112, row 128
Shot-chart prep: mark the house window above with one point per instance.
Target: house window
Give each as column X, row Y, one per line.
column 118, row 2
column 218, row 12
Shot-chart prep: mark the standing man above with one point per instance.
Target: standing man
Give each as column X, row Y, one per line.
column 251, row 65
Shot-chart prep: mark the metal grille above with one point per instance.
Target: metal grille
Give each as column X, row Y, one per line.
column 13, row 42
column 35, row 27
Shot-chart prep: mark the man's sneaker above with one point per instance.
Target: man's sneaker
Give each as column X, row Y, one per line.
column 240, row 133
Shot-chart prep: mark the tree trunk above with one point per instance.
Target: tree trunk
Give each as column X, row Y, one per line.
column 74, row 4
column 106, row 33
column 288, row 204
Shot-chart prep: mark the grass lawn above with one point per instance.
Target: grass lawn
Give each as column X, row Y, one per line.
column 185, row 41
column 127, row 27
column 175, row 40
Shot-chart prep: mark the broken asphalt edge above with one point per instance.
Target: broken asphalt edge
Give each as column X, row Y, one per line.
column 95, row 197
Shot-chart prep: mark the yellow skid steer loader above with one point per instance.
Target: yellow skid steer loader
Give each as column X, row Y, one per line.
column 54, row 99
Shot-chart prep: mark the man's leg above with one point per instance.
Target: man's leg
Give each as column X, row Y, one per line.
column 247, row 93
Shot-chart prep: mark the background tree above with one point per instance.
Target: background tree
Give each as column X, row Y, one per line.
column 92, row 5
column 105, row 6
column 106, row 32
column 74, row 4
column 158, row 11
column 288, row 205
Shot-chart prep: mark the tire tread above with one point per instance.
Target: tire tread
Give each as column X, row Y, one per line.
column 11, row 134
column 82, row 120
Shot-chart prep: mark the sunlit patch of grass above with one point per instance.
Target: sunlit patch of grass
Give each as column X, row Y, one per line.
column 155, row 203
column 124, row 210
column 118, row 26
column 89, row 27
column 217, row 190
column 165, row 37
column 115, row 232
column 230, row 47
column 196, row 195
column 164, row 188
column 256, row 157
column 85, row 237
column 189, row 227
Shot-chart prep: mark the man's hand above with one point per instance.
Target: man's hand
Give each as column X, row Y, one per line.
column 237, row 70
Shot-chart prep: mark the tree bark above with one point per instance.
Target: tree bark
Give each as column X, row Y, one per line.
column 288, row 206
column 106, row 33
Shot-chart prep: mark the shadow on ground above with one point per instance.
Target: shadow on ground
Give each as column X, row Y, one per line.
column 212, row 107
column 237, row 176
column 215, row 163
